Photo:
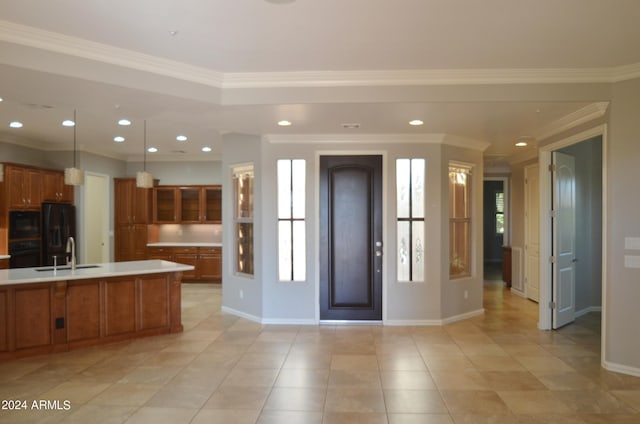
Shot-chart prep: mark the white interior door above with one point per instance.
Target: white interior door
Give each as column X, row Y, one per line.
column 532, row 232
column 564, row 239
column 96, row 231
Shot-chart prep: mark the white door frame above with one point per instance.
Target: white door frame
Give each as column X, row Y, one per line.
column 544, row 319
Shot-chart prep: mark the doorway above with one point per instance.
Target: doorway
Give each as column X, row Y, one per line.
column 96, row 218
column 588, row 258
column 351, row 238
column 495, row 227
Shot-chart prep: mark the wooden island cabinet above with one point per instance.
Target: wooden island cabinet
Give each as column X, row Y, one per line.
column 206, row 260
column 87, row 307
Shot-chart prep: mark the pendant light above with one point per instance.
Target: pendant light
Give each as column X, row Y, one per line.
column 74, row 176
column 144, row 179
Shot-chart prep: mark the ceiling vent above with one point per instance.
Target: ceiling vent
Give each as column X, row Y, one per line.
column 351, row 126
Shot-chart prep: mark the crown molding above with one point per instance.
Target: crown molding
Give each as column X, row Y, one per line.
column 355, row 138
column 73, row 46
column 467, row 143
column 85, row 49
column 572, row 120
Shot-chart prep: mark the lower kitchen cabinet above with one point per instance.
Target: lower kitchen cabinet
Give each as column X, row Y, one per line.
column 207, row 261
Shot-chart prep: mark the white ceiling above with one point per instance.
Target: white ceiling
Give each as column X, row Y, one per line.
column 240, row 66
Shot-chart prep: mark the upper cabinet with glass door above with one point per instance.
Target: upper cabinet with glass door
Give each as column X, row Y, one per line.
column 188, row 205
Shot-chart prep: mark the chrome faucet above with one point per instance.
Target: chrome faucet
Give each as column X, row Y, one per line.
column 71, row 248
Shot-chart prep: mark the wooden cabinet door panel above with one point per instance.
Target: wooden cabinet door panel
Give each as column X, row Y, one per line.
column 83, row 311
column 154, row 302
column 4, row 320
column 33, row 324
column 188, row 259
column 120, row 312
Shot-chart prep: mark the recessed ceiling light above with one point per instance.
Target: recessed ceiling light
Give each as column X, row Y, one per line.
column 118, row 139
column 280, row 1
column 416, row 122
column 206, row 149
column 521, row 144
column 173, row 32
column 152, row 149
column 68, row 123
column 1, row 99
column 181, row 137
column 284, row 123
column 124, row 122
column 15, row 124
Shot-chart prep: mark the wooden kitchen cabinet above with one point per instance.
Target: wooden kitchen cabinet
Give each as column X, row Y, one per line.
column 212, row 209
column 132, row 205
column 4, row 263
column 210, row 263
column 207, row 261
column 187, row 205
column 165, row 205
column 23, row 187
column 161, row 253
column 54, row 189
column 187, row 256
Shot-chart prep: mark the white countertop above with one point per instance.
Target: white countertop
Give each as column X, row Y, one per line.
column 102, row 270
column 5, row 256
column 183, row 244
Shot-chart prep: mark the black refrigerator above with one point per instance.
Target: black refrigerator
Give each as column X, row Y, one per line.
column 58, row 224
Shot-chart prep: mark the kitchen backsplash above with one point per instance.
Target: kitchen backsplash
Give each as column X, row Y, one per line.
column 197, row 233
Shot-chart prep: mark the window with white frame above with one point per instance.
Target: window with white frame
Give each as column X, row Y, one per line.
column 459, row 220
column 410, row 183
column 243, row 218
column 291, row 220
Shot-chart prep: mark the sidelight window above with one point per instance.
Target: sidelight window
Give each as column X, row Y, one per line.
column 410, row 180
column 459, row 220
column 243, row 218
column 291, row 220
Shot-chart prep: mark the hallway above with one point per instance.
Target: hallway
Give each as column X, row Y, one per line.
column 497, row 368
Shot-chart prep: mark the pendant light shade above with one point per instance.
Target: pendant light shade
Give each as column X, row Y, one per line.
column 144, row 179
column 74, row 176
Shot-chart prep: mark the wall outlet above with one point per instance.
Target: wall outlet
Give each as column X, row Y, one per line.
column 241, row 294
column 466, row 294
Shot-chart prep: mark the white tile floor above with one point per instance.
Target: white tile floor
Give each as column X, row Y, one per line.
column 497, row 368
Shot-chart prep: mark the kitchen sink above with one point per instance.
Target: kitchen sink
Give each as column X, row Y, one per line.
column 65, row 267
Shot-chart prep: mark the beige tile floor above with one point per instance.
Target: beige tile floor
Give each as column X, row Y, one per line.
column 492, row 369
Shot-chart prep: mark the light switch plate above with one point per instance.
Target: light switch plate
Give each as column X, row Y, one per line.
column 631, row 261
column 632, row 243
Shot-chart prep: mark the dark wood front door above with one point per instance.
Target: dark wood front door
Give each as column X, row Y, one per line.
column 351, row 238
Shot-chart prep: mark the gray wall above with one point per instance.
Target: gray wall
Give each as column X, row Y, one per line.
column 242, row 294
column 426, row 302
column 178, row 173
column 623, row 288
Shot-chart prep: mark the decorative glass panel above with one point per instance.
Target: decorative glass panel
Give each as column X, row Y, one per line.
column 417, row 188
column 299, row 251
column 284, row 250
column 417, row 266
column 410, row 198
column 404, row 251
column 298, row 188
column 284, row 189
column 459, row 221
column 244, row 234
column 403, row 180
column 291, row 220
column 243, row 218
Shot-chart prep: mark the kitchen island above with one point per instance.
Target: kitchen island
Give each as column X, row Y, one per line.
column 45, row 310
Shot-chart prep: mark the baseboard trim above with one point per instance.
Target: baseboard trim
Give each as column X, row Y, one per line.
column 622, row 369
column 518, row 293
column 587, row 310
column 405, row 323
